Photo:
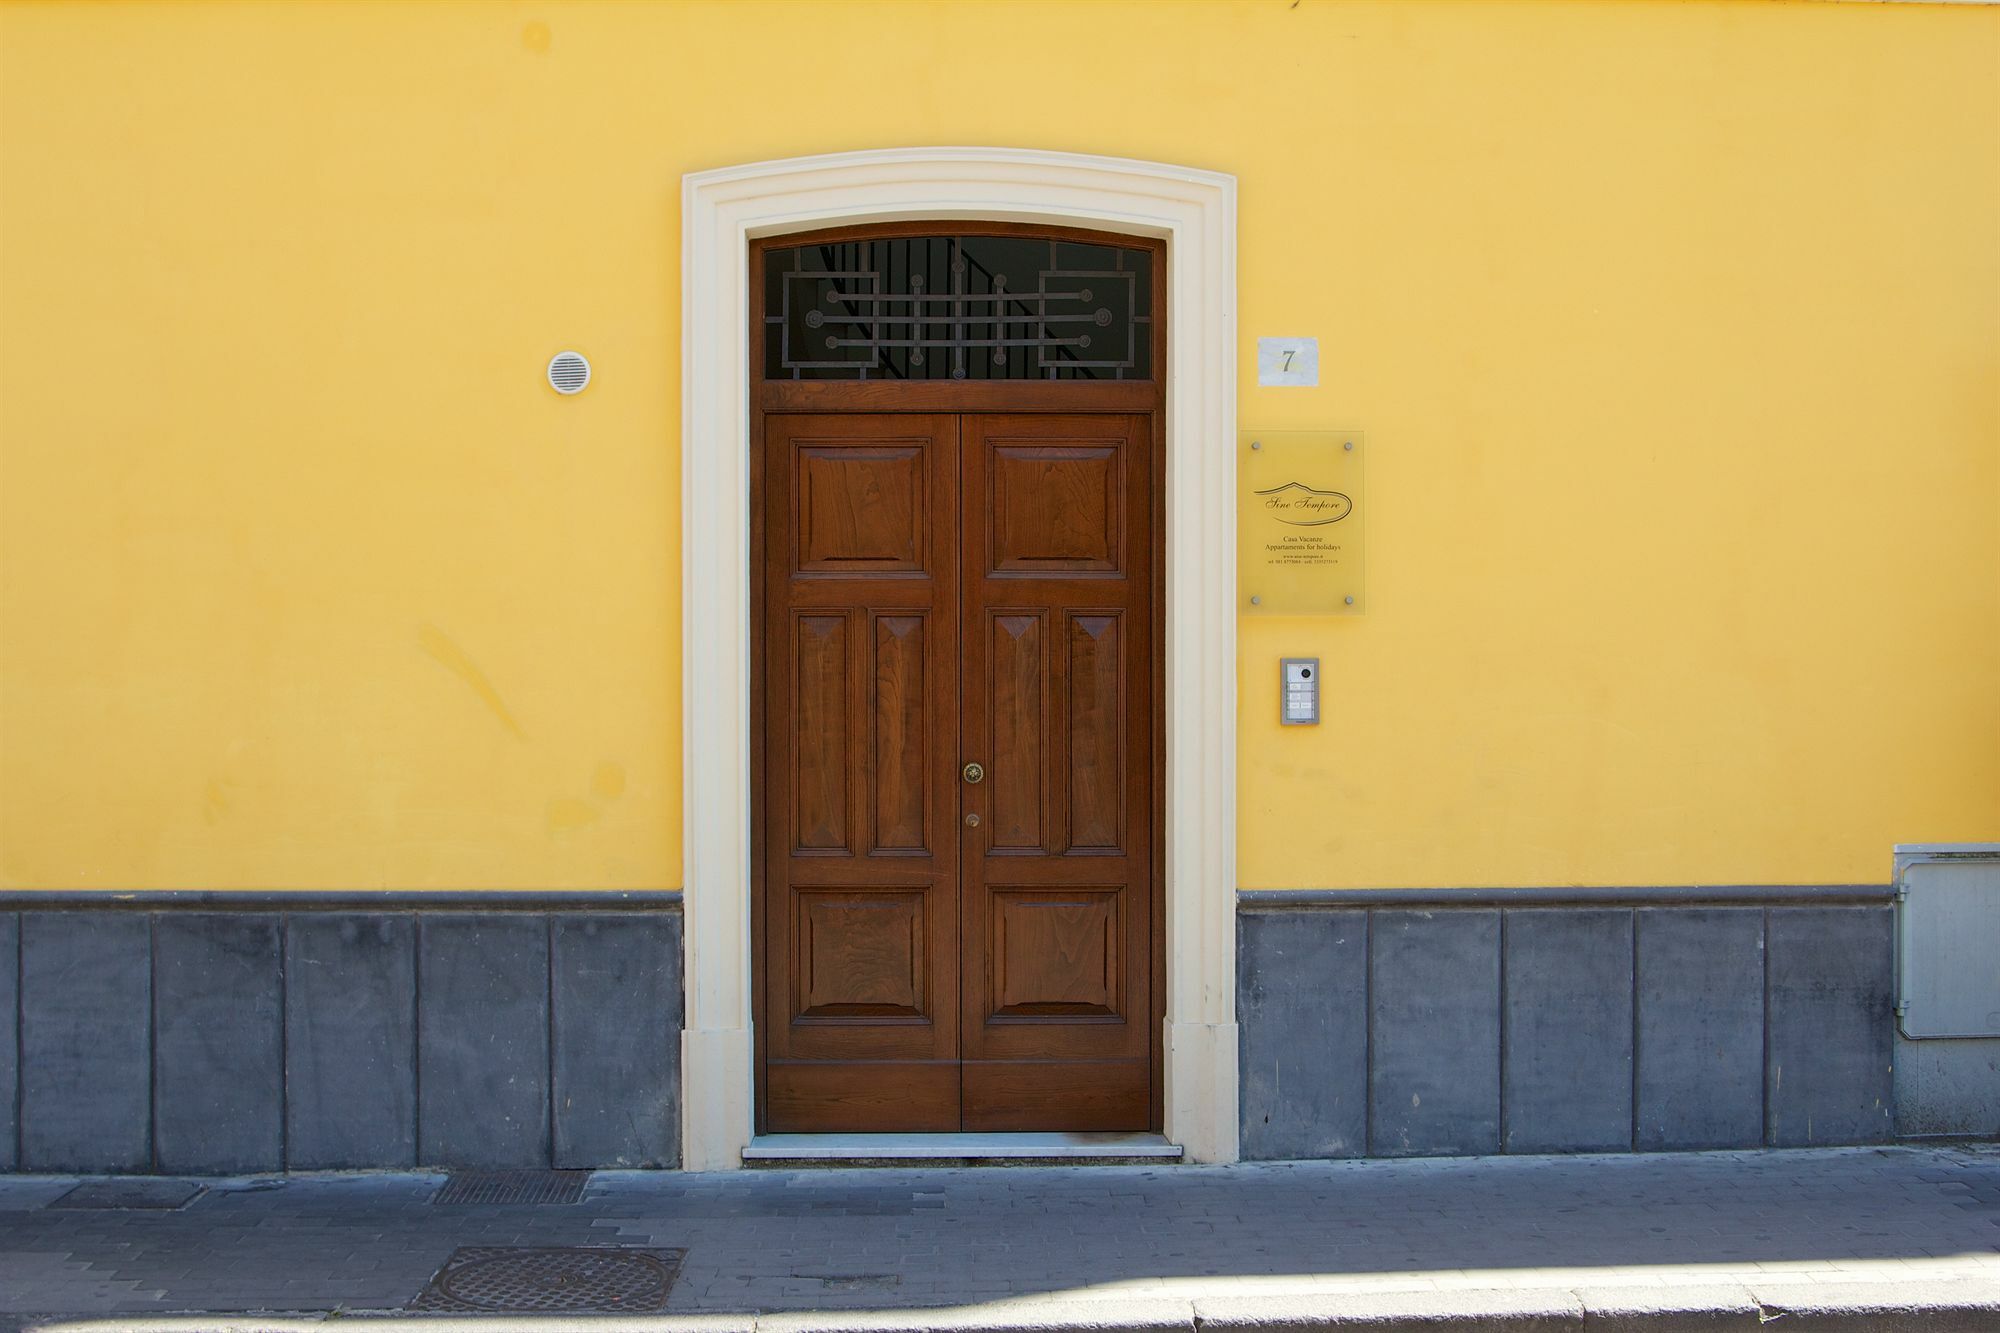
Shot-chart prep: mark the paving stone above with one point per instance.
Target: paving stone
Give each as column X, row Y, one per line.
column 1139, row 1316
column 127, row 1192
column 1969, row 1305
column 1719, row 1308
column 1482, row 1311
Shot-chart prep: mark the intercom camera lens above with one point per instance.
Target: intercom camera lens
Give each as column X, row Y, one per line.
column 1305, row 673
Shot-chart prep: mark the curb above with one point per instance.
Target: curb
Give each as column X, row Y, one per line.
column 1969, row 1305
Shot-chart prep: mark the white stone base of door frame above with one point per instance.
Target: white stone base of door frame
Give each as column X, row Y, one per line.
column 717, row 1073
column 722, row 211
column 1202, row 1077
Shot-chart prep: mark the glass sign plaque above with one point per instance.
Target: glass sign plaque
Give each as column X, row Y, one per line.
column 1300, row 514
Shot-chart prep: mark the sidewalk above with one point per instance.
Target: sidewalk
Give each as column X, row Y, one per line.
column 1865, row 1238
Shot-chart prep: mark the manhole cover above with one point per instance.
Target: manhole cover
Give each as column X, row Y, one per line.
column 134, row 1192
column 513, row 1187
column 588, row 1279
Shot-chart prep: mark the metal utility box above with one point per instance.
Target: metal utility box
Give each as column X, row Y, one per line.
column 1948, row 939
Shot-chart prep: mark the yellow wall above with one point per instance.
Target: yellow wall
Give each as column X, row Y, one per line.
column 1673, row 329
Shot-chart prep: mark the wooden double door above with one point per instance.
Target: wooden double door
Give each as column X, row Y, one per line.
column 958, row 921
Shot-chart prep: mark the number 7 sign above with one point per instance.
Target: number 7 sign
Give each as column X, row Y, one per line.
column 1288, row 361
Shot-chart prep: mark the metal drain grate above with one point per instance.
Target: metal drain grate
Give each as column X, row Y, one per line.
column 581, row 1279
column 137, row 1192
column 513, row 1187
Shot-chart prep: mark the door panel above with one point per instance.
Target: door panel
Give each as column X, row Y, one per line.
column 860, row 773
column 1016, row 681
column 861, row 954
column 941, row 953
column 821, row 756
column 1056, row 509
column 1097, row 727
column 1057, row 905
column 902, row 741
column 860, row 508
column 1056, row 952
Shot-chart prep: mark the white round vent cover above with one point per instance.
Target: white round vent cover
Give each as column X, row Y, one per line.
column 568, row 372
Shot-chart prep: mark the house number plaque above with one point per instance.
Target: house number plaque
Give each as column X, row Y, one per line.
column 1301, row 511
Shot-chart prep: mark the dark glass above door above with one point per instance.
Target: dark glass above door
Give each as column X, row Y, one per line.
column 958, row 308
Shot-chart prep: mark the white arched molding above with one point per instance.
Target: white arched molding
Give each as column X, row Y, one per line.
column 722, row 211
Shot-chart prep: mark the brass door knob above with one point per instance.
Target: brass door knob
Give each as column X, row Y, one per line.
column 974, row 773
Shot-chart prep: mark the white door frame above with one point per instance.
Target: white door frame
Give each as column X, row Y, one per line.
column 722, row 211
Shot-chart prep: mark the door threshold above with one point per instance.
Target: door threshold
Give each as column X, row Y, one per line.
column 968, row 1149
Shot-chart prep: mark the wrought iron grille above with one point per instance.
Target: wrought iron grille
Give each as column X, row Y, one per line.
column 958, row 307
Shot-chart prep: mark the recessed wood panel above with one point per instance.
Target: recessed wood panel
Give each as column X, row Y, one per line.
column 819, row 772
column 1074, row 1094
column 1056, row 509
column 1020, row 726
column 860, row 508
column 900, row 744
column 860, row 953
column 1056, row 953
column 1096, row 733
column 823, row 1097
